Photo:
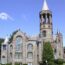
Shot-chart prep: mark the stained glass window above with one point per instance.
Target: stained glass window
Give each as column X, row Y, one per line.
column 18, row 43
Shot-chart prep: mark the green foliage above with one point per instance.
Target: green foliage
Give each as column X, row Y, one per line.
column 7, row 64
column 47, row 54
column 17, row 63
column 11, row 64
column 63, row 63
column 1, row 41
column 51, row 63
column 59, row 61
column 24, row 64
column 40, row 63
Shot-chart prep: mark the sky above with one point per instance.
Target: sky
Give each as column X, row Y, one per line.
column 24, row 15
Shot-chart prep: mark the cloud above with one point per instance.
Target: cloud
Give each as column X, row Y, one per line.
column 5, row 16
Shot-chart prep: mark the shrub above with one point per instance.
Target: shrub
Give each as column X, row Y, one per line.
column 24, row 64
column 59, row 61
column 17, row 63
column 7, row 64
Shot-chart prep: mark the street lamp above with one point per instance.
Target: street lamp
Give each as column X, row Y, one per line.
column 46, row 62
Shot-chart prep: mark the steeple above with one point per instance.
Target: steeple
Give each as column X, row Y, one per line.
column 46, row 30
column 45, row 6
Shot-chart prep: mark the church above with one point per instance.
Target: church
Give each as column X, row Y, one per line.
column 23, row 49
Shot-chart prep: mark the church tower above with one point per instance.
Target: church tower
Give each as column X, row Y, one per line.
column 46, row 27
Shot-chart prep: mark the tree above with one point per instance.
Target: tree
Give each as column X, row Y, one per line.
column 47, row 54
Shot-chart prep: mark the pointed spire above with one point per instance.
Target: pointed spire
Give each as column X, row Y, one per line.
column 45, row 6
column 6, row 40
column 57, row 31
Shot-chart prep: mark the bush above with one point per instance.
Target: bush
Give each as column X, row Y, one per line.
column 7, row 64
column 17, row 63
column 3, row 64
column 51, row 63
column 11, row 64
column 40, row 63
column 59, row 62
column 24, row 64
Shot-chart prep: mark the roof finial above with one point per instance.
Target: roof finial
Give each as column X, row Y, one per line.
column 45, row 6
column 57, row 31
column 6, row 40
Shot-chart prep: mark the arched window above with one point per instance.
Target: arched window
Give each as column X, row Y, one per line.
column 44, row 33
column 18, row 40
column 30, row 47
column 18, row 43
column 30, row 55
column 18, row 55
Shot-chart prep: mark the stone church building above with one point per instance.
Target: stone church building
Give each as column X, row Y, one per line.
column 24, row 49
